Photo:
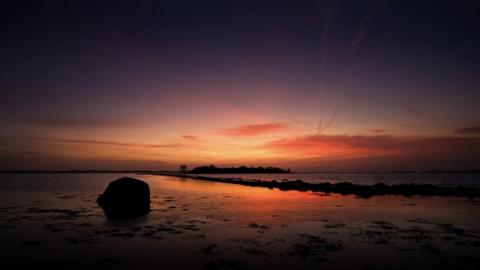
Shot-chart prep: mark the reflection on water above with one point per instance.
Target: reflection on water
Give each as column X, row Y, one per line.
column 200, row 224
column 439, row 179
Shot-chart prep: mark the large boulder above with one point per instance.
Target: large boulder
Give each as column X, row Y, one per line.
column 125, row 197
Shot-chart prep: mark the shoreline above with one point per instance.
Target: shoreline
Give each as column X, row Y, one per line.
column 344, row 188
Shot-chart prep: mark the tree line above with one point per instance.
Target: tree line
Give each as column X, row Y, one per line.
column 242, row 169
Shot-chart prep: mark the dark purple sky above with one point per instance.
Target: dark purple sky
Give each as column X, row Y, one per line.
column 351, row 85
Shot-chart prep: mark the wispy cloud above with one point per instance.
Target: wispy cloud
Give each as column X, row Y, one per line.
column 377, row 130
column 190, row 137
column 252, row 130
column 344, row 145
column 468, row 130
column 75, row 122
column 114, row 143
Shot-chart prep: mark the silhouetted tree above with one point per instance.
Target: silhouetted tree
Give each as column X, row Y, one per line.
column 183, row 168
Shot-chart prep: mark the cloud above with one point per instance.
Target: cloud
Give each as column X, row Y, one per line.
column 377, row 130
column 252, row 130
column 190, row 137
column 75, row 122
column 39, row 162
column 114, row 143
column 374, row 145
column 468, row 130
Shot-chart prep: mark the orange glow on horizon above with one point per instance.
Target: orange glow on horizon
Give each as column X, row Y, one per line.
column 262, row 144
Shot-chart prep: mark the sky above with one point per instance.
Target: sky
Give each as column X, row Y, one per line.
column 309, row 85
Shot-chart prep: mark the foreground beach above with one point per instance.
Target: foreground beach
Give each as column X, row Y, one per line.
column 54, row 221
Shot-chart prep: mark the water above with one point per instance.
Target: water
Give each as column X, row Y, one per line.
column 439, row 179
column 57, row 182
column 88, row 182
column 52, row 221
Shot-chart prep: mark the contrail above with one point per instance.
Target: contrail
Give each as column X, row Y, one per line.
column 332, row 116
column 357, row 38
column 324, row 50
column 324, row 58
column 319, row 130
column 322, row 127
column 301, row 122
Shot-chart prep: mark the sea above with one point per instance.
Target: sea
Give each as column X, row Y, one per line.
column 53, row 221
column 95, row 181
column 442, row 179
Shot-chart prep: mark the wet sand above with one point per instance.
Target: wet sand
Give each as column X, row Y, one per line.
column 207, row 225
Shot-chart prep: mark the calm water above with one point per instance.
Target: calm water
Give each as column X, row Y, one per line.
column 57, row 182
column 52, row 221
column 440, row 179
column 96, row 182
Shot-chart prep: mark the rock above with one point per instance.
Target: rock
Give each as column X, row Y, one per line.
column 125, row 197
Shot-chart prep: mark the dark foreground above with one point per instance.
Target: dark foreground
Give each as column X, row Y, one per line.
column 209, row 225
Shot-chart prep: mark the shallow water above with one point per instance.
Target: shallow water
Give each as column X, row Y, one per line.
column 440, row 179
column 52, row 220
